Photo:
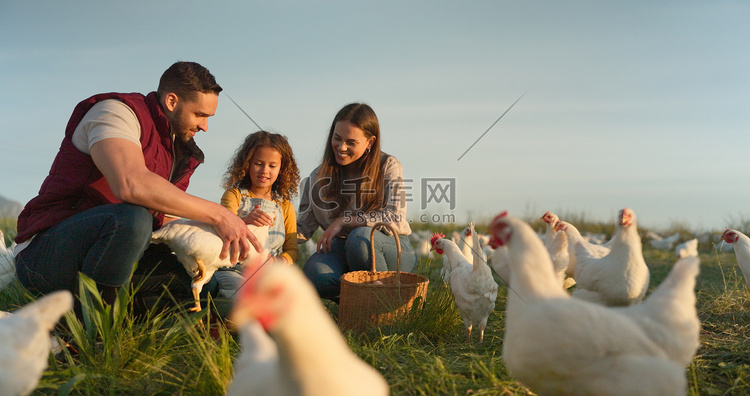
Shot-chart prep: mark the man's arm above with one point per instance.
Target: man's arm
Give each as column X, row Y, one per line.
column 122, row 164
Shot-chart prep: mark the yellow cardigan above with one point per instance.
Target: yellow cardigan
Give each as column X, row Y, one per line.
column 231, row 200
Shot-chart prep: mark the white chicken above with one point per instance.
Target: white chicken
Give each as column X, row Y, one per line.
column 7, row 262
column 620, row 277
column 741, row 244
column 488, row 252
column 305, row 353
column 687, row 248
column 662, row 243
column 500, row 263
column 423, row 249
column 25, row 346
column 557, row 246
column 197, row 247
column 551, row 220
column 484, row 240
column 560, row 345
column 472, row 286
column 477, row 253
column 575, row 238
column 465, row 243
column 445, row 269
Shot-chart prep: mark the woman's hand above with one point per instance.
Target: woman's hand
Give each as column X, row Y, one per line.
column 324, row 243
column 259, row 218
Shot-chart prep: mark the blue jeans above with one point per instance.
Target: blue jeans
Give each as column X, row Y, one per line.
column 352, row 253
column 102, row 242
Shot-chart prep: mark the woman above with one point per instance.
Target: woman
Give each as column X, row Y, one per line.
column 355, row 187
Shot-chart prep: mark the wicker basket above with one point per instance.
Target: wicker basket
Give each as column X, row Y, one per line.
column 372, row 298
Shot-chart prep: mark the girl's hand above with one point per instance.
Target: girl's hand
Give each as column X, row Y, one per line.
column 324, row 243
column 259, row 218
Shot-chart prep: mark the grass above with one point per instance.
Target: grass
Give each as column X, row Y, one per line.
column 425, row 354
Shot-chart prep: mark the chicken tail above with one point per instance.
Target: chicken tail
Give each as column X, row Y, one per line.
column 680, row 283
column 49, row 309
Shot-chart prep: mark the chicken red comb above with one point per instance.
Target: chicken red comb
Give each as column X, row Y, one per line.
column 496, row 230
column 502, row 214
column 247, row 292
column 435, row 237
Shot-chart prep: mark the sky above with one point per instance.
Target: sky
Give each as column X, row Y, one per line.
column 636, row 104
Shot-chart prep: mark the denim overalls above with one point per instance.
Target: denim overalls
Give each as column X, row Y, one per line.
column 231, row 278
column 276, row 232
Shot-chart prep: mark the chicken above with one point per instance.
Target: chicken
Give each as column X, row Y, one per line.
column 687, row 248
column 445, row 269
column 575, row 238
column 662, row 243
column 472, row 286
column 741, row 244
column 7, row 262
column 25, row 347
column 557, row 246
column 500, row 263
column 198, row 247
column 466, row 243
column 551, row 220
column 478, row 254
column 559, row 345
column 620, row 277
column 423, row 249
column 484, row 240
column 488, row 252
column 302, row 352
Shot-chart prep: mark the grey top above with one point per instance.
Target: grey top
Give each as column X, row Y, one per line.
column 313, row 212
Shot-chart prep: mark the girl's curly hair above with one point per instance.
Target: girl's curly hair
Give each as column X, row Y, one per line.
column 285, row 186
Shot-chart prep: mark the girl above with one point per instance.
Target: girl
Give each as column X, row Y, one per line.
column 355, row 187
column 260, row 182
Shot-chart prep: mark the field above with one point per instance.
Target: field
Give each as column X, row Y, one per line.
column 166, row 354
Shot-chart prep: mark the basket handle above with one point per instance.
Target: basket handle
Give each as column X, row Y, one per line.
column 398, row 249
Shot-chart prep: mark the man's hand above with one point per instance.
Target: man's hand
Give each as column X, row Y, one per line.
column 237, row 238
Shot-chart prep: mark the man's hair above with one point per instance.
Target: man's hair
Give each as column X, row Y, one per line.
column 185, row 79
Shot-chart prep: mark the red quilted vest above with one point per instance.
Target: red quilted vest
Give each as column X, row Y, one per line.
column 74, row 184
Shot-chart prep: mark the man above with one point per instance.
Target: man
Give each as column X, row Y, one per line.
column 125, row 162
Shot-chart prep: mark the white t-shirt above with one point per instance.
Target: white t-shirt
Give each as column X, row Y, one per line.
column 109, row 118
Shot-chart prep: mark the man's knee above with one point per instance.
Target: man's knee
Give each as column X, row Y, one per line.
column 138, row 218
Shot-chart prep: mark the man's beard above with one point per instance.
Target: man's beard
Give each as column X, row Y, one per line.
column 180, row 129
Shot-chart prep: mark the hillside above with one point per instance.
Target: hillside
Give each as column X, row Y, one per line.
column 9, row 208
